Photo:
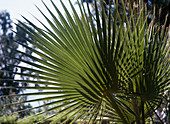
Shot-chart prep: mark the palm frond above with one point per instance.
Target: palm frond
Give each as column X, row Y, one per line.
column 97, row 69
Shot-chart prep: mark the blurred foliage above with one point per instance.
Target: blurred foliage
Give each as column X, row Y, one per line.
column 9, row 57
column 162, row 7
column 13, row 119
column 6, row 119
column 8, row 110
column 7, row 48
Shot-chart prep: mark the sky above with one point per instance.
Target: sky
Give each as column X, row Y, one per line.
column 27, row 8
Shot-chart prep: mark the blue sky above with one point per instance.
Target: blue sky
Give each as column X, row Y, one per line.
column 16, row 8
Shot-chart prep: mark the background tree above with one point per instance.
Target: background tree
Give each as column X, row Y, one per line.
column 7, row 52
column 162, row 8
column 9, row 57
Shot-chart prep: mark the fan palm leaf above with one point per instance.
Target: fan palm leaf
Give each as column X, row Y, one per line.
column 93, row 68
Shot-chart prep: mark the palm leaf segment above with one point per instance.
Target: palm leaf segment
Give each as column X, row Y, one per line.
column 97, row 69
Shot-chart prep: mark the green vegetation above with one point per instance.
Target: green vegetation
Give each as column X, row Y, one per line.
column 97, row 68
column 6, row 119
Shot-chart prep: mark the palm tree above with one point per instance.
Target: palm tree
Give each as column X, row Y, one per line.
column 98, row 67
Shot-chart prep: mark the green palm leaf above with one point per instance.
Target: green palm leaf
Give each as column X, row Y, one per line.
column 97, row 70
